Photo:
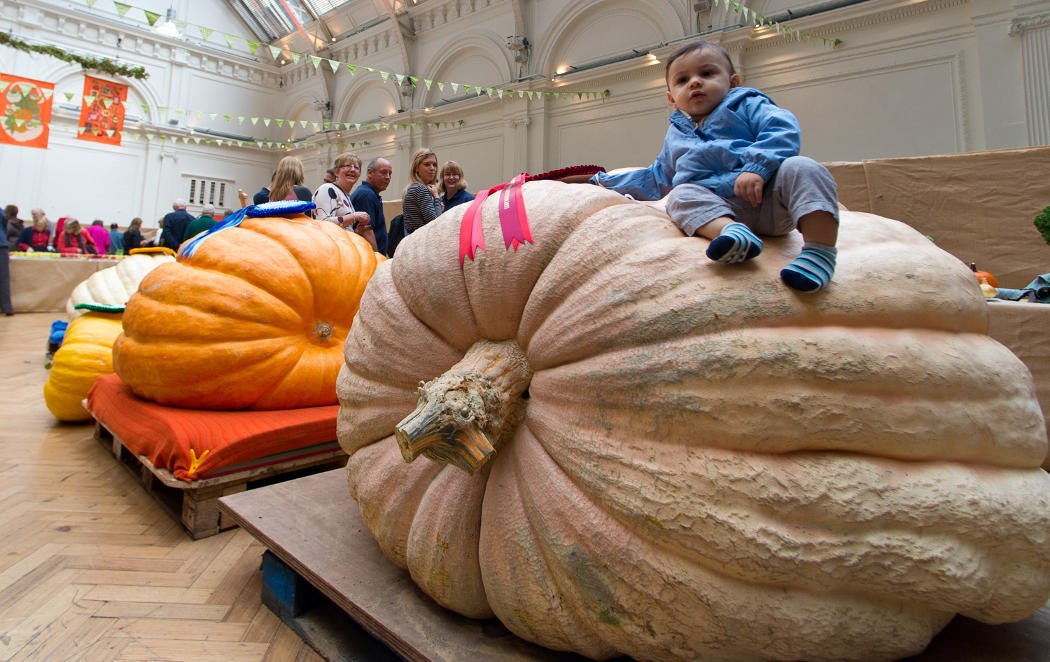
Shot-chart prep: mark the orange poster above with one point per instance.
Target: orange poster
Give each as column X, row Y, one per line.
column 102, row 111
column 25, row 109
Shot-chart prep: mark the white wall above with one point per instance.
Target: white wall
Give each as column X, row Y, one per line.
column 911, row 77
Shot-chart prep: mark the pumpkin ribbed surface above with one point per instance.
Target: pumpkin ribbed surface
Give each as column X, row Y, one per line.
column 707, row 464
column 255, row 318
column 86, row 353
column 113, row 286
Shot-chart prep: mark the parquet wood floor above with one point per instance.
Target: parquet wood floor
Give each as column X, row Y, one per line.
column 91, row 568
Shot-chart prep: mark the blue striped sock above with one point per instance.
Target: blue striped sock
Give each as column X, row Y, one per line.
column 812, row 269
column 736, row 243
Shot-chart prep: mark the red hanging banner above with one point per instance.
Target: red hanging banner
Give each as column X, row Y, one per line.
column 25, row 111
column 102, row 111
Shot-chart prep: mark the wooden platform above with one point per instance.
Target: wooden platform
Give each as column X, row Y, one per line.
column 313, row 529
column 195, row 504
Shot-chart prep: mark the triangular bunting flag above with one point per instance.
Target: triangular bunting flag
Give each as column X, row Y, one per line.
column 316, row 60
column 207, row 141
column 326, row 125
column 490, row 91
column 151, row 17
column 266, row 121
column 499, row 93
column 253, row 45
column 275, row 52
column 212, row 116
column 240, row 119
column 384, row 75
column 162, row 109
column 441, row 86
column 317, row 127
column 255, row 120
column 89, row 99
column 121, row 8
column 145, row 108
column 351, row 67
column 180, row 26
column 279, row 122
column 226, row 117
column 107, row 102
column 196, row 114
column 220, row 142
column 69, row 96
column 196, row 140
column 295, row 56
column 530, row 95
column 205, row 32
column 20, row 121
column 231, row 39
column 302, row 123
column 400, row 78
column 91, row 3
column 334, row 64
column 414, row 80
column 357, row 125
column 455, row 88
column 428, row 83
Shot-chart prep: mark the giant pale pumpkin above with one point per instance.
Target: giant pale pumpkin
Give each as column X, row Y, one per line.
column 86, row 353
column 255, row 318
column 630, row 449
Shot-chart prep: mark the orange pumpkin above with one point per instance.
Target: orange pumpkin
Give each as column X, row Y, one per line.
column 255, row 318
column 984, row 276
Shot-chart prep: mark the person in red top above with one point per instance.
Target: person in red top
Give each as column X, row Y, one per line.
column 35, row 238
column 74, row 240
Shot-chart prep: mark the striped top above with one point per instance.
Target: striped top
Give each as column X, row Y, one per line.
column 419, row 207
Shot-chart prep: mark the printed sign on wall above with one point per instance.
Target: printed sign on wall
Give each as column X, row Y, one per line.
column 25, row 111
column 102, row 111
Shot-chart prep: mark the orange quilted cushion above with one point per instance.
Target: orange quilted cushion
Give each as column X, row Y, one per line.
column 194, row 443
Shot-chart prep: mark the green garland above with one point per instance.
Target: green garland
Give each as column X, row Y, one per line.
column 94, row 64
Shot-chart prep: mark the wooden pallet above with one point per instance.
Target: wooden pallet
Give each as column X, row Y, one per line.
column 196, row 503
column 323, row 568
column 326, row 562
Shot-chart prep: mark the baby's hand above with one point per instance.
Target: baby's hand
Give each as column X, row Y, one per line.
column 748, row 187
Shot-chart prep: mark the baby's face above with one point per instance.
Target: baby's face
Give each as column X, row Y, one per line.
column 698, row 81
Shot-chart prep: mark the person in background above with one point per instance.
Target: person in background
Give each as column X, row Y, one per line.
column 264, row 193
column 133, row 235
column 98, row 233
column 74, row 240
column 116, row 239
column 288, row 180
column 203, row 222
column 367, row 198
column 174, row 225
column 453, row 185
column 329, row 176
column 333, row 200
column 15, row 225
column 35, row 238
column 5, row 266
column 51, row 229
column 421, row 201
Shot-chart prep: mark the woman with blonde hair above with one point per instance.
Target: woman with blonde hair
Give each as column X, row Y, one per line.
column 287, row 181
column 422, row 202
column 333, row 200
column 453, row 185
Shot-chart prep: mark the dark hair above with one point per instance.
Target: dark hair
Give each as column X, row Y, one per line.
column 113, row 226
column 685, row 49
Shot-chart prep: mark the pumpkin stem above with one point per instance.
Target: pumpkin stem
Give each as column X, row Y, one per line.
column 466, row 414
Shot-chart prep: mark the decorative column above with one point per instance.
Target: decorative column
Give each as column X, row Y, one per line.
column 1035, row 48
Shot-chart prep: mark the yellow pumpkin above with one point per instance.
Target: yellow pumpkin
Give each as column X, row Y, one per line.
column 630, row 449
column 255, row 318
column 86, row 353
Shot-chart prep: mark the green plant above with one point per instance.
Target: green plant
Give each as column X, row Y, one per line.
column 1042, row 223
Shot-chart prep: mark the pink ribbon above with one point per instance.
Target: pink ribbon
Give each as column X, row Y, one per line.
column 512, row 217
column 471, row 235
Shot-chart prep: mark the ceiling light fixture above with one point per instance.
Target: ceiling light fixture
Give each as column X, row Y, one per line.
column 168, row 27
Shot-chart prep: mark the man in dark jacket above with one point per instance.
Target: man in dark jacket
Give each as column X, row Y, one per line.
column 175, row 223
column 366, row 198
